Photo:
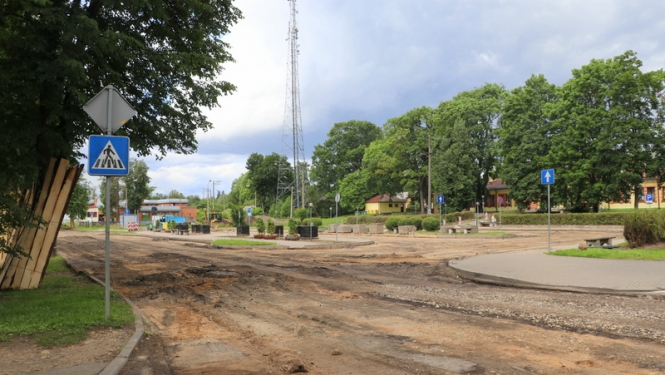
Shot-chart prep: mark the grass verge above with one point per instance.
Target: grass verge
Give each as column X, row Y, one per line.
column 633, row 254
column 61, row 310
column 230, row 242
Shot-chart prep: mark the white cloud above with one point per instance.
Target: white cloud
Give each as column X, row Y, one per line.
column 376, row 59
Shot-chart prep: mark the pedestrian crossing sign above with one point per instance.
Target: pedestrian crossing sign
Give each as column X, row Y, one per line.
column 108, row 155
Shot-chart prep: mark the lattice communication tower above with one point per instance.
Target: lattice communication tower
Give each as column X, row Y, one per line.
column 292, row 138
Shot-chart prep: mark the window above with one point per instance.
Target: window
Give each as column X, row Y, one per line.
column 390, row 204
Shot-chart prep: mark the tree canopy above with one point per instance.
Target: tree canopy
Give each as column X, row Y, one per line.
column 342, row 153
column 164, row 57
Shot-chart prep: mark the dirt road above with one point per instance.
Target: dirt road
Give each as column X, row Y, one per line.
column 389, row 308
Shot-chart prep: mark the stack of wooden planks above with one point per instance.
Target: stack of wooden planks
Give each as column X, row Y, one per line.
column 28, row 272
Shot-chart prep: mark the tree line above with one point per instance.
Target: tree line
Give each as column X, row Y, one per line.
column 602, row 131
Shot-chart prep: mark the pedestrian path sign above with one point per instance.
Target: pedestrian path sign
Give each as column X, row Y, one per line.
column 108, row 155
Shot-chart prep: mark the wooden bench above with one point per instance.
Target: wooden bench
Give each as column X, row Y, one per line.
column 464, row 230
column 599, row 241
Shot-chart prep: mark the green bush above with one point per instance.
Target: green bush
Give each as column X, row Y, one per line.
column 411, row 220
column 644, row 227
column 256, row 211
column 604, row 218
column 260, row 225
column 301, row 213
column 271, row 227
column 431, row 224
column 293, row 226
column 392, row 222
column 315, row 221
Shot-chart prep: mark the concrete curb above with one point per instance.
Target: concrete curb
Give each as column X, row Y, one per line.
column 115, row 366
column 509, row 282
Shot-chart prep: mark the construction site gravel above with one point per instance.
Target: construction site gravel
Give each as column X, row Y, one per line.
column 392, row 307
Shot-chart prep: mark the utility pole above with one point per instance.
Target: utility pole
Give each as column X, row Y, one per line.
column 213, row 194
column 429, row 171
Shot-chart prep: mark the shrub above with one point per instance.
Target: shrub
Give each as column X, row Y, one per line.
column 431, row 224
column 260, row 225
column 604, row 218
column 293, row 226
column 271, row 227
column 644, row 227
column 315, row 221
column 256, row 211
column 411, row 220
column 392, row 222
column 301, row 213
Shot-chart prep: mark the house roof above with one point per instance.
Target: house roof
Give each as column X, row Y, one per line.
column 385, row 198
column 496, row 184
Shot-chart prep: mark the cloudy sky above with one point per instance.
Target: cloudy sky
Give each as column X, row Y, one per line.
column 377, row 59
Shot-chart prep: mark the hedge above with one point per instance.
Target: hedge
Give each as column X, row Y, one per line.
column 644, row 227
column 604, row 218
column 315, row 221
column 431, row 224
column 382, row 219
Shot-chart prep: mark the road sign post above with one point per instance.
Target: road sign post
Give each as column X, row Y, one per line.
column 337, row 198
column 547, row 178
column 440, row 200
column 649, row 199
column 110, row 112
column 500, row 200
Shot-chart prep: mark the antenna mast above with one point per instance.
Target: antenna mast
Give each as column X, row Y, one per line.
column 292, row 180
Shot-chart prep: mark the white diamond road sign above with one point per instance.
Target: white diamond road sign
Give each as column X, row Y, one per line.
column 108, row 155
column 440, row 199
column 547, row 176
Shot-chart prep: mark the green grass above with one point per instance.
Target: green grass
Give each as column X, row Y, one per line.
column 633, row 254
column 61, row 310
column 348, row 219
column 232, row 242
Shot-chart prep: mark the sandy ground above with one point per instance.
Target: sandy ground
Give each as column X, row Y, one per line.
column 389, row 308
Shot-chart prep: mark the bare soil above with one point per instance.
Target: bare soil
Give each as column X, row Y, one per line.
column 394, row 307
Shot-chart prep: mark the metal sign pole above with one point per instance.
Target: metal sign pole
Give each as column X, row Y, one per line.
column 107, row 248
column 440, row 222
column 337, row 198
column 549, row 212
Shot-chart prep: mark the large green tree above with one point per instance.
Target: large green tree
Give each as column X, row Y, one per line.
column 398, row 162
column 262, row 176
column 137, row 183
column 525, row 140
column 115, row 197
column 467, row 125
column 342, row 153
column 78, row 202
column 165, row 57
column 605, row 130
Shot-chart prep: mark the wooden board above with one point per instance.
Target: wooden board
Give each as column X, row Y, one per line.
column 34, row 241
column 33, row 276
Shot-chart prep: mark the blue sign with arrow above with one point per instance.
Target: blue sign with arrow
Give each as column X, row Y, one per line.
column 108, row 155
column 547, row 176
column 440, row 199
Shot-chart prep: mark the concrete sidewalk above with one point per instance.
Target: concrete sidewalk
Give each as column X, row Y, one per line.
column 534, row 268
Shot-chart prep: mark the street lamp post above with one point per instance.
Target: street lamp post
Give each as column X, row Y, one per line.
column 208, row 202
